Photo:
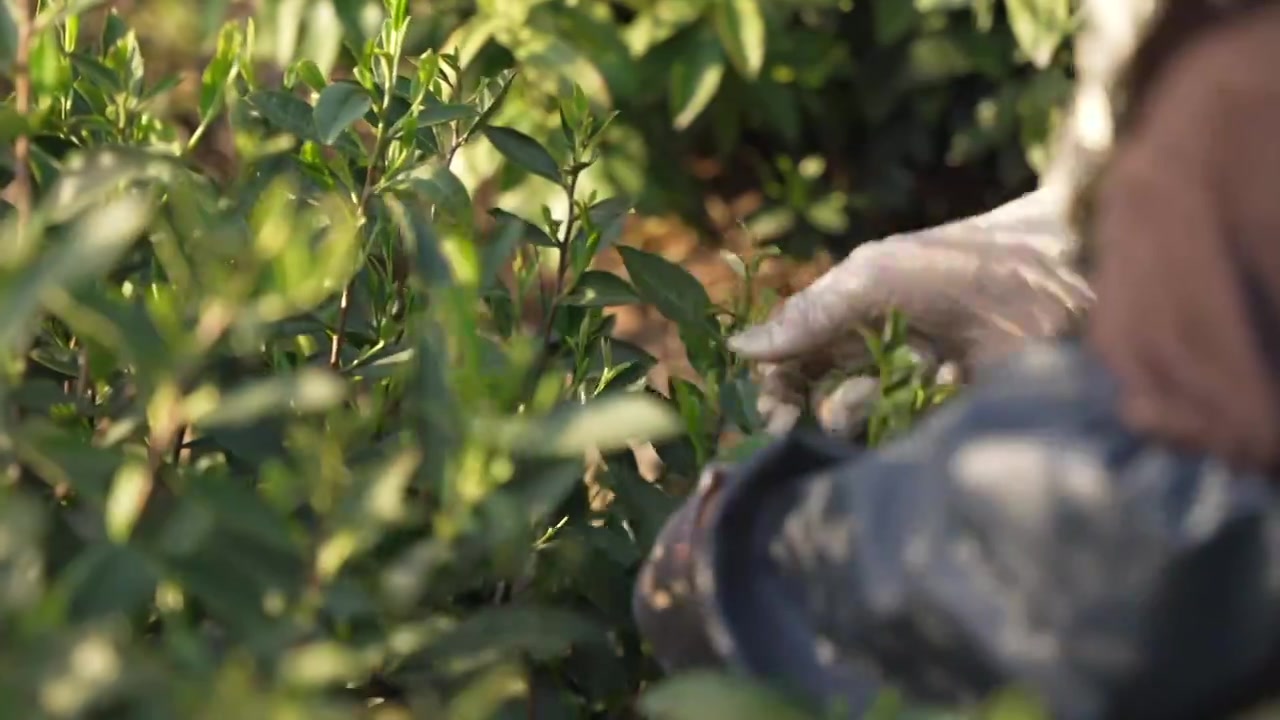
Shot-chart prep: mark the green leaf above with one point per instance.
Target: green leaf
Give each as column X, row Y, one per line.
column 547, row 53
column 92, row 177
column 126, row 500
column 497, row 252
column 285, row 111
column 543, row 633
column 438, row 113
column 606, row 423
column 644, row 505
column 221, row 69
column 606, row 217
column 493, row 689
column 107, row 579
column 49, row 69
column 322, row 42
column 92, row 69
column 56, row 13
column 667, row 286
column 524, row 151
column 308, row 390
column 360, row 18
column 418, row 237
column 12, row 124
column 702, row 694
column 321, row 663
column 695, row 79
column 530, row 233
column 95, row 243
column 22, row 527
column 1039, row 26
column 658, row 23
column 740, row 25
column 894, row 19
column 597, row 288
column 8, row 33
column 114, row 29
column 437, row 184
column 338, row 107
column 397, row 11
column 1014, row 704
column 308, row 72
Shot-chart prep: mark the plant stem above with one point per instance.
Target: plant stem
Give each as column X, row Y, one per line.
column 382, row 138
column 22, row 103
column 344, row 302
column 562, row 269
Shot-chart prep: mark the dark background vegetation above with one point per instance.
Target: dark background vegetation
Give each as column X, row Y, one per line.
column 328, row 383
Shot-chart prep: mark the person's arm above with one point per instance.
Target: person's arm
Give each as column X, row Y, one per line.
column 1186, row 231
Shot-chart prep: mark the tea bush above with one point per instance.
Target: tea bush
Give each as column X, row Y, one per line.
column 280, row 442
column 852, row 119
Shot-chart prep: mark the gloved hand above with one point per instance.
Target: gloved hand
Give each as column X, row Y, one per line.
column 972, row 291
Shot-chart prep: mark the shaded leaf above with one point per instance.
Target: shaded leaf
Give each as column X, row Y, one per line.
column 606, row 217
column 8, row 33
column 338, row 107
column 597, row 288
column 667, row 286
column 438, row 113
column 286, row 112
column 95, row 243
column 894, row 19
column 523, row 151
column 22, row 527
column 541, row 632
column 437, row 184
column 93, row 70
column 529, row 232
column 108, row 579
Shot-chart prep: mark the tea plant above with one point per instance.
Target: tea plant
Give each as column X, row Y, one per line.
column 281, row 441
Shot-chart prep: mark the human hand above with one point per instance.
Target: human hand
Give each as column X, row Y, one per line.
column 972, row 291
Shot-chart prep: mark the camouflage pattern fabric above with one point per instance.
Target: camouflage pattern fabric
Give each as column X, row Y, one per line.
column 1020, row 536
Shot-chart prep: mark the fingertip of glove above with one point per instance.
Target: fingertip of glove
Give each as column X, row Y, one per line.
column 751, row 343
column 740, row 343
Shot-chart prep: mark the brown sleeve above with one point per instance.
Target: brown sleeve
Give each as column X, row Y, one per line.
column 1187, row 231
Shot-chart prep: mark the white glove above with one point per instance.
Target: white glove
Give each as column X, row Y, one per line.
column 972, row 291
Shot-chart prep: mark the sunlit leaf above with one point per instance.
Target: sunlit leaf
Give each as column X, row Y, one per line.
column 702, row 694
column 607, row 423
column 309, row 390
column 740, row 25
column 1040, row 26
column 695, row 80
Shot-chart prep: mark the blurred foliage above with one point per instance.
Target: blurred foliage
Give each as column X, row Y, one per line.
column 854, row 119
column 276, row 440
